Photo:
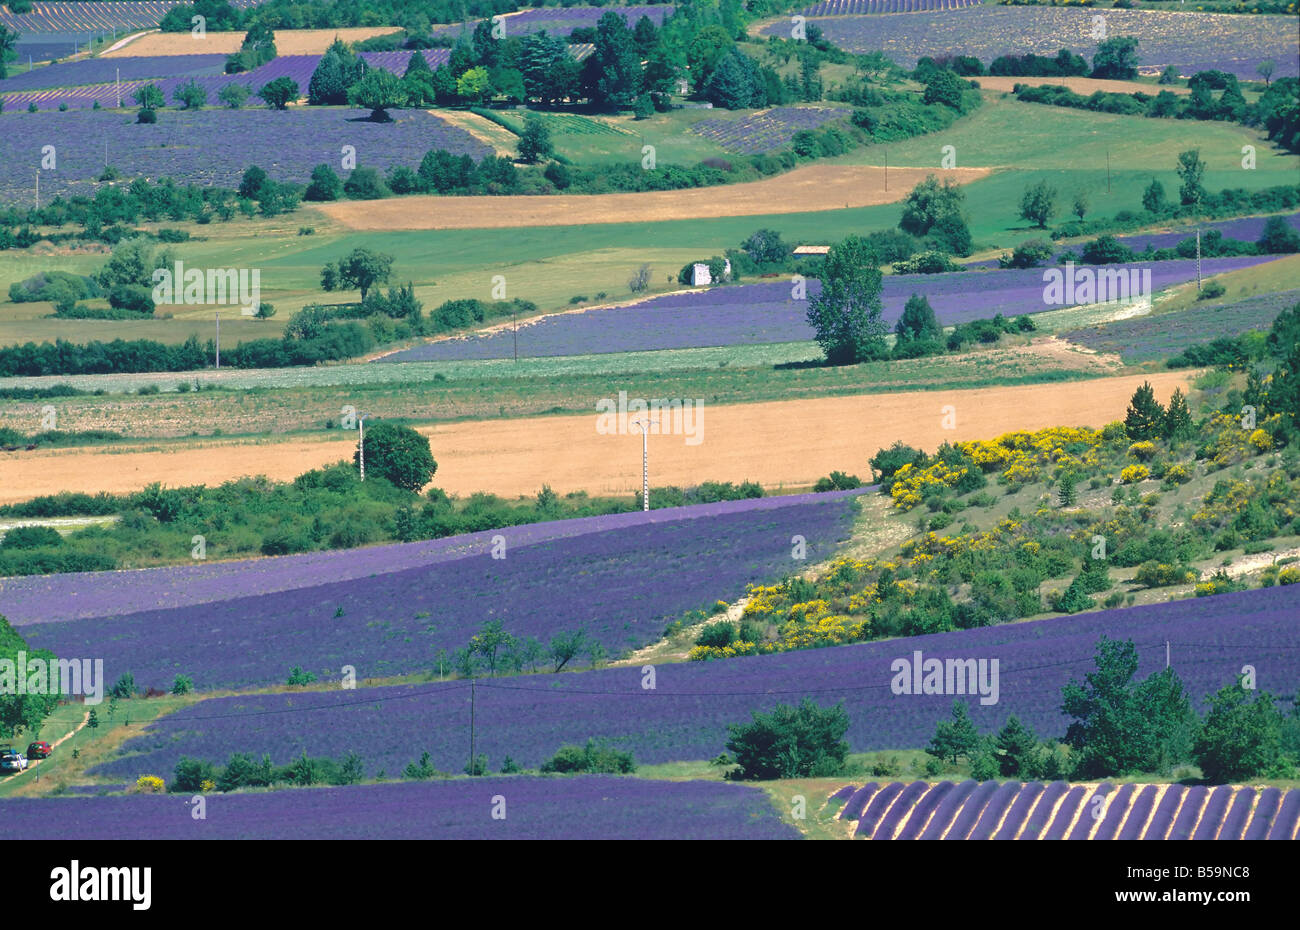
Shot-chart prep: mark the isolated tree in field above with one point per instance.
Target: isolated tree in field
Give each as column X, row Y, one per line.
column 190, row 95
column 279, row 93
column 640, row 280
column 927, row 202
column 399, row 454
column 791, row 742
column 149, row 97
column 535, row 141
column 846, row 315
column 1116, row 58
column 1080, row 206
column 475, row 85
column 233, row 95
column 565, row 646
column 1241, row 738
column 1191, row 169
column 1038, row 204
column 491, row 641
column 765, row 247
column 1145, row 417
column 378, row 91
column 918, row 322
column 1178, row 419
column 956, row 737
column 1265, row 70
column 1153, row 198
column 360, row 269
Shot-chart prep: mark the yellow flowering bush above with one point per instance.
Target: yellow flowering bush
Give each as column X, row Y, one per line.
column 1261, row 440
column 1142, row 450
column 149, row 784
column 1134, row 473
column 1177, row 474
column 207, row 785
column 1289, row 575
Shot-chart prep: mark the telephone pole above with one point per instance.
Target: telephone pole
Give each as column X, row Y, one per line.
column 471, row 725
column 1198, row 259
column 218, row 343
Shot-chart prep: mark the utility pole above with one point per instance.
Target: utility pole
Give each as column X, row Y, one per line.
column 886, row 169
column 218, row 343
column 1166, row 653
column 117, row 84
column 515, row 319
column 1198, row 259
column 644, row 427
column 1108, row 171
column 471, row 724
column 361, row 443
column 38, row 188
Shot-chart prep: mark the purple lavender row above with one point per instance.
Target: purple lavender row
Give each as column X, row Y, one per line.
column 1019, row 811
column 1087, row 821
column 949, row 807
column 1138, row 814
column 1269, row 801
column 581, row 807
column 857, row 801
column 1212, row 817
column 1040, row 817
column 687, row 716
column 1238, row 814
column 1185, row 822
column 1284, row 826
column 904, row 806
column 844, row 793
column 1164, row 815
column 880, row 803
column 920, row 815
column 755, row 314
column 997, row 806
column 971, row 810
column 107, row 70
column 71, row 596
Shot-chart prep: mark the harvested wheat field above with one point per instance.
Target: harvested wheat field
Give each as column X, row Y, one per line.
column 809, row 189
column 781, row 443
column 1080, row 85
column 287, row 42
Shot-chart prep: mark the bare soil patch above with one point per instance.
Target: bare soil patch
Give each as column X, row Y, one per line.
column 503, row 141
column 812, row 188
column 779, row 443
column 1080, row 85
column 287, row 42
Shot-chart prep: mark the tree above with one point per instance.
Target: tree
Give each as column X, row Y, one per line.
column 253, row 183
column 233, row 95
column 1120, row 727
column 324, row 185
column 549, row 72
column 1178, row 419
column 1080, row 207
column 1116, row 58
column 1016, row 748
column 705, row 51
column 1065, row 489
column 944, row 87
column 1145, row 417
column 8, row 39
column 279, row 93
column 378, row 91
column 1265, row 69
column 360, row 268
column 1240, row 739
column 640, row 280
column 612, row 74
column 730, row 85
column 956, row 737
column 491, row 640
column 564, row 646
column 19, row 712
column 846, row 314
column 927, row 202
column 1191, row 169
column 190, row 95
column 399, row 454
column 149, row 97
column 535, row 141
column 791, row 742
column 1153, row 198
column 365, row 184
column 1038, row 204
column 475, row 85
column 645, row 35
column 1279, row 238
column 764, row 247
column 918, row 322
column 337, row 71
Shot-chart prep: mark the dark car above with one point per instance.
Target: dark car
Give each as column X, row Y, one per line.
column 39, row 750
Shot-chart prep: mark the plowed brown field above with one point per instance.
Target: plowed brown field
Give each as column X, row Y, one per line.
column 1080, row 85
column 805, row 190
column 789, row 443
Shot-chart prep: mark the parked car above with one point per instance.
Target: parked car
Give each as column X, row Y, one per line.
column 39, row 750
column 13, row 762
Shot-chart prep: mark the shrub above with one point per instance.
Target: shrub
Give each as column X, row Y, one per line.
column 790, row 742
column 593, row 758
column 1131, row 474
column 1289, row 575
column 191, row 774
column 298, row 677
column 838, row 481
column 148, row 784
column 1159, row 575
column 31, row 537
column 1211, row 290
column 124, row 687
column 182, row 684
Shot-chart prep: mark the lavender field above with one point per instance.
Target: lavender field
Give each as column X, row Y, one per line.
column 1016, row 811
column 1160, row 336
column 94, row 16
column 861, row 7
column 108, row 70
column 1189, row 41
column 536, row 808
column 622, row 587
column 686, row 715
column 765, row 131
column 561, row 20
column 285, row 144
column 753, row 314
column 77, row 595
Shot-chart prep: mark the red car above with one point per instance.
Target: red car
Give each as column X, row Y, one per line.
column 39, row 750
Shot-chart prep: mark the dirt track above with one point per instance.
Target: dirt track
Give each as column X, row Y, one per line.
column 776, row 443
column 809, row 189
column 1080, row 85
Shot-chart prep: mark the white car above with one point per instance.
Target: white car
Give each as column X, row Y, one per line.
column 13, row 762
